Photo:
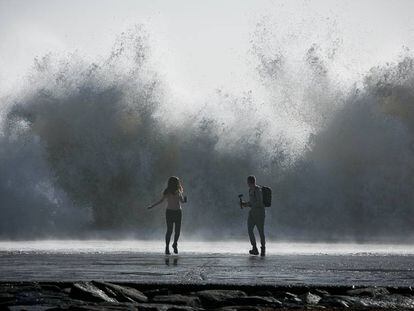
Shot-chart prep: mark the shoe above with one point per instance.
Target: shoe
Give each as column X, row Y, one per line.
column 254, row 251
column 167, row 250
column 175, row 248
column 263, row 251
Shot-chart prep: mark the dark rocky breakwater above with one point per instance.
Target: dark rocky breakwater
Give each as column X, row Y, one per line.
column 97, row 295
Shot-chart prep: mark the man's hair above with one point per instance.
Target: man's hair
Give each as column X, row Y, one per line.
column 251, row 179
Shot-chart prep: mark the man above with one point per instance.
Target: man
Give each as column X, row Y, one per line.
column 256, row 215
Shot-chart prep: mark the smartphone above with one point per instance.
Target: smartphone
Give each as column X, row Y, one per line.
column 185, row 199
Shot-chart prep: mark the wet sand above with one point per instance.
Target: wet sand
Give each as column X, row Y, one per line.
column 143, row 266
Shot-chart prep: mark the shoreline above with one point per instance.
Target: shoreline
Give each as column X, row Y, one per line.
column 98, row 295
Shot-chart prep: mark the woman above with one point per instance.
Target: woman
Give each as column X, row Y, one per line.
column 173, row 194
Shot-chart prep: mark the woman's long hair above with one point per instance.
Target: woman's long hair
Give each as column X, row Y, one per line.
column 174, row 186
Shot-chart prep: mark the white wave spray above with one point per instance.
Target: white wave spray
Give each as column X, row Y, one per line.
column 88, row 145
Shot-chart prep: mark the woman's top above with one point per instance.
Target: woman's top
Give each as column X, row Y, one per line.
column 174, row 200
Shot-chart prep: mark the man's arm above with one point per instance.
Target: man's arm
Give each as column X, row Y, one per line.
column 246, row 204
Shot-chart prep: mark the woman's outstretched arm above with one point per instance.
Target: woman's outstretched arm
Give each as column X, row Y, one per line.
column 157, row 203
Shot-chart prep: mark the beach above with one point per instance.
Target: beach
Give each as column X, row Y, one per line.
column 384, row 276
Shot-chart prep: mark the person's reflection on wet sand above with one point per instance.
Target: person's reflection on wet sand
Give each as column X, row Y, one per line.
column 174, row 261
column 257, row 261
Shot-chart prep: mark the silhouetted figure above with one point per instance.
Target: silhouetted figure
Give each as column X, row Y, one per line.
column 173, row 194
column 256, row 215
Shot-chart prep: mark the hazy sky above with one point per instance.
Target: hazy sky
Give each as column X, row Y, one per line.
column 201, row 45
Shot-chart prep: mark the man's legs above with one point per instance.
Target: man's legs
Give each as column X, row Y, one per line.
column 250, row 226
column 257, row 218
column 260, row 228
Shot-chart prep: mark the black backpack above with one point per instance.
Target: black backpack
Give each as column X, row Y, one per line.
column 267, row 196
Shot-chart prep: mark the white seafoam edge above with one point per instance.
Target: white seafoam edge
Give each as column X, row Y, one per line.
column 228, row 247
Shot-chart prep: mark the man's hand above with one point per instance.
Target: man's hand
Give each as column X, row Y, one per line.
column 244, row 204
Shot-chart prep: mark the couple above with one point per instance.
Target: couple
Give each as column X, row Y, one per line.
column 173, row 194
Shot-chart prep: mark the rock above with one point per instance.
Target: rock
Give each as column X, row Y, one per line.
column 368, row 291
column 335, row 301
column 121, row 293
column 163, row 307
column 387, row 302
column 244, row 308
column 297, row 300
column 158, row 291
column 106, row 307
column 115, row 307
column 50, row 287
column 341, row 303
column 292, row 298
column 6, row 298
column 265, row 293
column 311, row 299
column 29, row 308
column 218, row 296
column 88, row 291
column 177, row 299
column 290, row 295
column 254, row 301
column 321, row 292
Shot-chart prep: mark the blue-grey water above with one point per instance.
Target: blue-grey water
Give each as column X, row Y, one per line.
column 204, row 262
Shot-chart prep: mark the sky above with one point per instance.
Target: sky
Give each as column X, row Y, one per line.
column 203, row 45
